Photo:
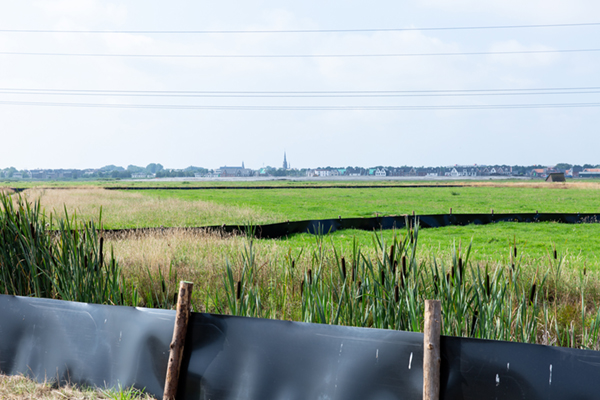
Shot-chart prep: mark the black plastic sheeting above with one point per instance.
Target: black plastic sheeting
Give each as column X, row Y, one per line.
column 269, row 187
column 246, row 358
column 283, row 229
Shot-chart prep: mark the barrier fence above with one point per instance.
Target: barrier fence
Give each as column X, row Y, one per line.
column 228, row 357
column 283, row 229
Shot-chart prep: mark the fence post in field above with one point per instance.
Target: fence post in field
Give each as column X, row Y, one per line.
column 431, row 350
column 179, row 332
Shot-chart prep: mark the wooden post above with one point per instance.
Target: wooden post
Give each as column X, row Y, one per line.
column 179, row 331
column 431, row 350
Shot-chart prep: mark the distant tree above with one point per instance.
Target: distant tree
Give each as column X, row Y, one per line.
column 563, row 166
column 153, row 168
column 110, row 168
column 121, row 174
column 134, row 169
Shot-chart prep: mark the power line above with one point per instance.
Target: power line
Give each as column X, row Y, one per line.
column 306, row 108
column 304, row 94
column 453, row 28
column 476, row 53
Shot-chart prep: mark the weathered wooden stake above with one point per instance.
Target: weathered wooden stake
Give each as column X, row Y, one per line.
column 179, row 331
column 431, row 350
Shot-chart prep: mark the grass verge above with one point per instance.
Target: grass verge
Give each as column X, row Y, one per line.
column 22, row 388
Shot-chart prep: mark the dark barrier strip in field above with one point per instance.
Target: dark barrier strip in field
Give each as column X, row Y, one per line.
column 262, row 187
column 247, row 358
column 283, row 229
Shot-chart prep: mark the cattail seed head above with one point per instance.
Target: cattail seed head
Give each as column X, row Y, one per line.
column 555, row 254
column 164, row 287
column 238, row 294
column 532, row 293
column 515, row 251
column 344, row 268
column 309, row 276
column 101, row 251
column 474, row 322
column 360, row 294
column 392, row 248
column 403, row 265
column 382, row 278
column 487, row 285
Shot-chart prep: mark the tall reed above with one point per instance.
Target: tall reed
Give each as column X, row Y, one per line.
column 388, row 291
column 63, row 259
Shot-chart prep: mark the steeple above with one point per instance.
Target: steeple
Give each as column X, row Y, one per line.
column 243, row 165
column 285, row 164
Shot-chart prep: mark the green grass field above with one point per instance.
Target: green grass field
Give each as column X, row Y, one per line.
column 299, row 204
column 187, row 208
column 491, row 243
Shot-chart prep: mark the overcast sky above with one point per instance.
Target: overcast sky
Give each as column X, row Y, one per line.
column 43, row 136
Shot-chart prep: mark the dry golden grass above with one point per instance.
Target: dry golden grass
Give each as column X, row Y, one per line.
column 21, row 388
column 537, row 184
column 122, row 209
column 196, row 256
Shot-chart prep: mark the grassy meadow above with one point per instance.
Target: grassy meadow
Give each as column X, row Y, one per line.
column 540, row 280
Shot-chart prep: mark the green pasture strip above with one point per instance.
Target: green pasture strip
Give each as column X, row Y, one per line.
column 491, row 243
column 296, row 205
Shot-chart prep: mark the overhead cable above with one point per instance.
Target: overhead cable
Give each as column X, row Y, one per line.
column 475, row 53
column 308, row 94
column 267, row 31
column 304, row 108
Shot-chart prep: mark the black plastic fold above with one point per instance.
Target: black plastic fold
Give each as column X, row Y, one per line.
column 283, row 229
column 230, row 357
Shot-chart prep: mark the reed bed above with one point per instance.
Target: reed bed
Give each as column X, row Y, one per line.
column 63, row 258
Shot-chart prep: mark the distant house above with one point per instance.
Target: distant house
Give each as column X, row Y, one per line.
column 556, row 177
column 139, row 175
column 380, row 172
column 233, row 172
column 320, row 172
column 590, row 173
column 538, row 173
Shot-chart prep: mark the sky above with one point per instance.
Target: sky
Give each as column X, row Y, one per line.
column 90, row 129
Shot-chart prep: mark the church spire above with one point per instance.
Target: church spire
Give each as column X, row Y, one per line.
column 285, row 164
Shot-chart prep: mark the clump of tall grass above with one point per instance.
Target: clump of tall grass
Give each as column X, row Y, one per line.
column 388, row 291
column 63, row 259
